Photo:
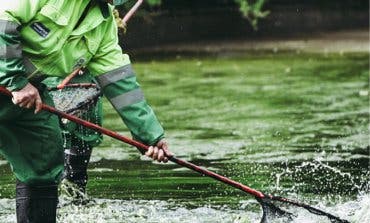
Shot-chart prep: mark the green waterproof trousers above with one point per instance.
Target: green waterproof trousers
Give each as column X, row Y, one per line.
column 31, row 143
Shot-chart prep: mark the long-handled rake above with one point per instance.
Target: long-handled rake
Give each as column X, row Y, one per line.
column 270, row 210
column 132, row 11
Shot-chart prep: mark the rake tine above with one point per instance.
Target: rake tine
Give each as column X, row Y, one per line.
column 316, row 211
column 269, row 210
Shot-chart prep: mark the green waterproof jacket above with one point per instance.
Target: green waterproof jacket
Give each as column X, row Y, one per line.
column 47, row 37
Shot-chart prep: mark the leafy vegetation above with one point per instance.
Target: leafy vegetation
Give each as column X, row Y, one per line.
column 250, row 9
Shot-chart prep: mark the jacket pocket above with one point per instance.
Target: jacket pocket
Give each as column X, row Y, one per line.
column 54, row 15
column 46, row 33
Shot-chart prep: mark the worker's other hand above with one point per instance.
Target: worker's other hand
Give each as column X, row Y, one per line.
column 28, row 97
column 159, row 152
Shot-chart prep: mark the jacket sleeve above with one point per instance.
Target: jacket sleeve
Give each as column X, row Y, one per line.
column 12, row 15
column 117, row 79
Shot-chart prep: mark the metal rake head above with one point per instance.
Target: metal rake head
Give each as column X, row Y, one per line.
column 271, row 212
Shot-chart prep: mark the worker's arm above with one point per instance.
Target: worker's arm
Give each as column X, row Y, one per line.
column 117, row 79
column 12, row 71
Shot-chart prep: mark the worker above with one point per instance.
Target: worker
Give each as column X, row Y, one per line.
column 45, row 38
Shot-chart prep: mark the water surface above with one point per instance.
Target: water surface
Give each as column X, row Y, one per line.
column 286, row 123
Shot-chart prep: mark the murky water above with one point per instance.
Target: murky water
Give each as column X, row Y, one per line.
column 295, row 125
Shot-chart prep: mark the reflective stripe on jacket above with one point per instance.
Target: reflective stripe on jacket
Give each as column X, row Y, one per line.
column 40, row 37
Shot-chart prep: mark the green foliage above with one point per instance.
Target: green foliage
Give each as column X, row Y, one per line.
column 154, row 2
column 252, row 10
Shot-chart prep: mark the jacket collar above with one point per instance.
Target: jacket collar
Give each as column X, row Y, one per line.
column 104, row 8
column 97, row 15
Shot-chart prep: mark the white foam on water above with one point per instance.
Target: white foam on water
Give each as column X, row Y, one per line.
column 104, row 210
column 112, row 153
column 355, row 211
column 100, row 170
column 7, row 211
column 3, row 162
column 107, row 210
column 362, row 209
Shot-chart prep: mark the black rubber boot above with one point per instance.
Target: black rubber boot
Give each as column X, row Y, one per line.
column 36, row 204
column 75, row 163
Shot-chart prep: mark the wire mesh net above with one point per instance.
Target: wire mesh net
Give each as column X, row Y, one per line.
column 75, row 99
column 279, row 209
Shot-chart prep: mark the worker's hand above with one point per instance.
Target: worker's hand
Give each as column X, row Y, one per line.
column 159, row 152
column 28, row 97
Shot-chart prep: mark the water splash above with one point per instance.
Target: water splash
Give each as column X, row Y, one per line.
column 107, row 210
column 104, row 210
column 320, row 177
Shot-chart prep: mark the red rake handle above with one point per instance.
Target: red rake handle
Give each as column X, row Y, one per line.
column 69, row 78
column 132, row 11
column 137, row 144
column 218, row 177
